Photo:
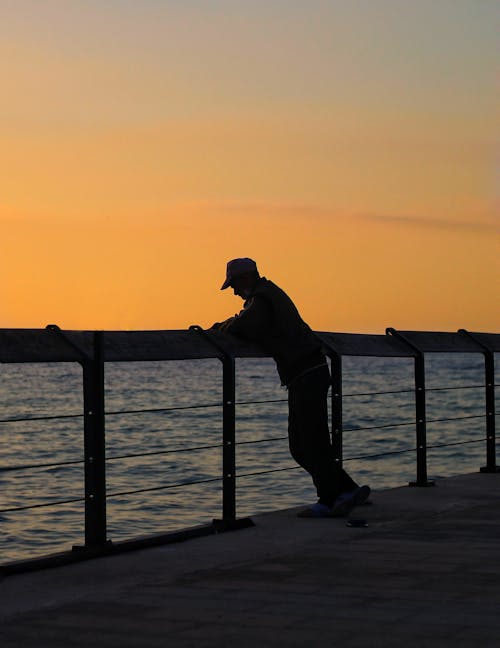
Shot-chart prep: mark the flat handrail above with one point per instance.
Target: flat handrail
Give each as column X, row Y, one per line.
column 52, row 344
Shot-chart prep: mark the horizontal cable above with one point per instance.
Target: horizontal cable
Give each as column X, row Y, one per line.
column 152, row 410
column 284, row 400
column 381, row 393
column 269, row 439
column 187, row 407
column 157, row 488
column 380, row 454
column 371, row 456
column 457, row 418
column 41, row 418
column 214, row 479
column 390, row 425
column 110, row 495
column 378, row 427
column 430, row 389
column 212, row 447
column 41, row 465
column 160, row 452
column 455, row 443
column 260, row 402
column 34, row 506
column 156, row 410
column 112, row 413
column 127, row 456
column 265, row 472
column 394, row 452
column 207, row 447
column 409, row 391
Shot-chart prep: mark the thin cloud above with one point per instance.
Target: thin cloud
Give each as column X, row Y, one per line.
column 434, row 223
column 484, row 223
column 244, row 208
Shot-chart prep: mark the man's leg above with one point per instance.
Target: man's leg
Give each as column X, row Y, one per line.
column 309, row 436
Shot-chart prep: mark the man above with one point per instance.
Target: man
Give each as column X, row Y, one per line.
column 270, row 318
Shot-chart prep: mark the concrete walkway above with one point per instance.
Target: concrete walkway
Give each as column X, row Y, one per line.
column 425, row 572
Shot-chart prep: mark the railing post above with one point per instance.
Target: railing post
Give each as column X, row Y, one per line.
column 489, row 370
column 228, row 439
column 94, row 446
column 489, row 382
column 421, row 423
column 336, row 399
column 93, row 437
column 420, row 412
column 228, row 427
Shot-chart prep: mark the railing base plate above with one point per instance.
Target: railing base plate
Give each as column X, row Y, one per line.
column 425, row 484
column 80, row 553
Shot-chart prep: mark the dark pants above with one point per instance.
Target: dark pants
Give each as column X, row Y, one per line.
column 309, row 436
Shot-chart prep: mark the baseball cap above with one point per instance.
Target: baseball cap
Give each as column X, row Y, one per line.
column 238, row 267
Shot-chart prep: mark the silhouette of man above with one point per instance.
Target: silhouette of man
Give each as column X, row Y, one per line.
column 270, row 318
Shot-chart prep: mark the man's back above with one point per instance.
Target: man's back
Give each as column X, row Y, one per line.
column 271, row 318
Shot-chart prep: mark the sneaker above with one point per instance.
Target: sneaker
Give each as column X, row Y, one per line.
column 347, row 501
column 361, row 494
column 316, row 511
column 343, row 504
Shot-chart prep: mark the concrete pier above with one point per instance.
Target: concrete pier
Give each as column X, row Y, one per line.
column 425, row 572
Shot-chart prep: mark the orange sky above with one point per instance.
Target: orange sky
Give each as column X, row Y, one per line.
column 351, row 156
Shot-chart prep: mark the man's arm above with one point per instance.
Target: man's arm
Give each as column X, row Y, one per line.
column 252, row 322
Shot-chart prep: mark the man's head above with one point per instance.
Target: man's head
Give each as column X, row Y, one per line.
column 241, row 275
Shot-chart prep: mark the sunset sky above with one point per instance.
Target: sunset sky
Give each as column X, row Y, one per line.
column 346, row 145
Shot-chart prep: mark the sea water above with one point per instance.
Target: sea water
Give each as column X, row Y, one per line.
column 156, row 452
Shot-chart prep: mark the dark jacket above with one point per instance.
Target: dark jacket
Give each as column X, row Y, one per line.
column 270, row 318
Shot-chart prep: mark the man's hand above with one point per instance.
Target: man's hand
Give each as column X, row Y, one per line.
column 222, row 326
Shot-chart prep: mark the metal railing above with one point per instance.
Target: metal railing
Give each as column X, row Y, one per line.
column 93, row 349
